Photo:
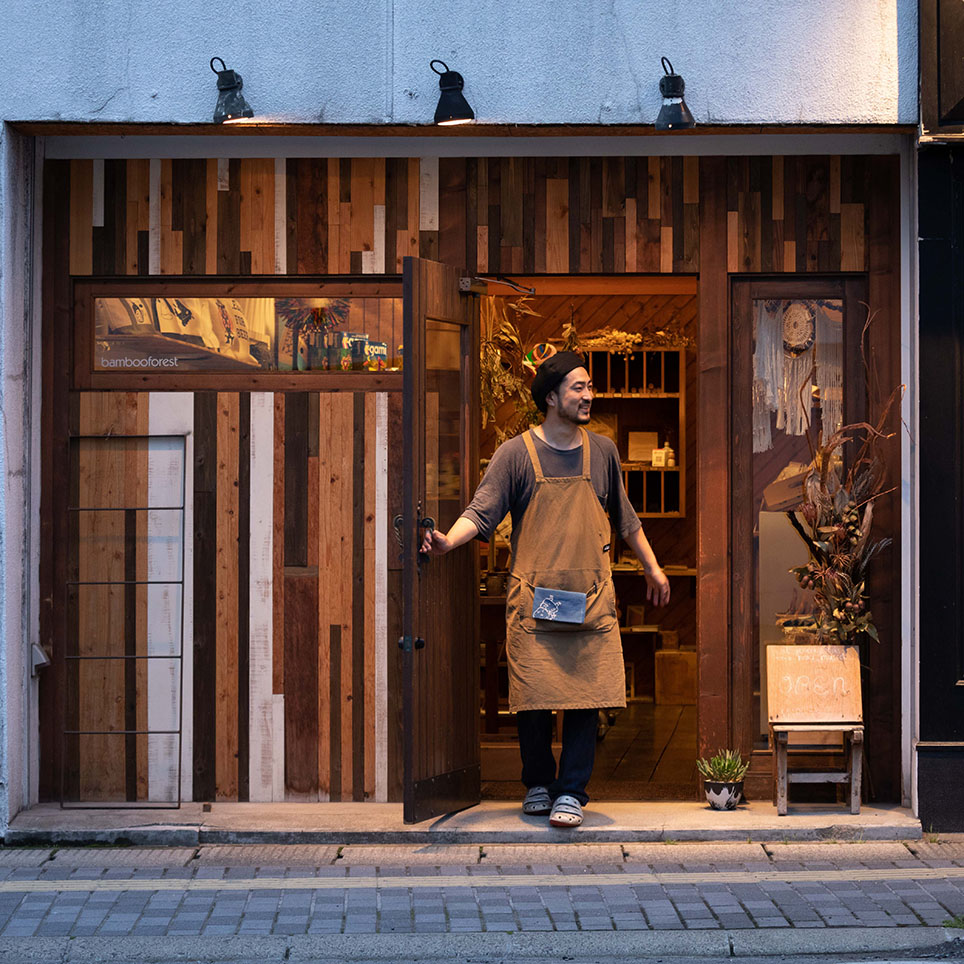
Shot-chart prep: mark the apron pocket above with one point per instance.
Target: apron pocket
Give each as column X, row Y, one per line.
column 600, row 614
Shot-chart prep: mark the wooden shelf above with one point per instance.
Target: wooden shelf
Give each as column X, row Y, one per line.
column 670, row 571
column 647, row 391
column 637, row 395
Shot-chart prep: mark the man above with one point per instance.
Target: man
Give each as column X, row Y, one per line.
column 562, row 635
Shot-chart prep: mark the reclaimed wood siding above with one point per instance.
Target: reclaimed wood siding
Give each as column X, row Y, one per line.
column 290, row 563
column 557, row 215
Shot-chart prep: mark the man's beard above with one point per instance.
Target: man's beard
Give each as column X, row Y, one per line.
column 575, row 415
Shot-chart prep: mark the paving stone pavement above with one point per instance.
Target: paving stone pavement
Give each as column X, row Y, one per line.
column 279, row 890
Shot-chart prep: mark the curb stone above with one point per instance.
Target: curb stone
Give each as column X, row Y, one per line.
column 187, row 836
column 629, row 945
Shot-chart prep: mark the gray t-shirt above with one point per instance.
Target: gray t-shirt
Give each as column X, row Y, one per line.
column 510, row 480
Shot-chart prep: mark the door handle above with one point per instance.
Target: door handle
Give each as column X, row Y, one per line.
column 428, row 524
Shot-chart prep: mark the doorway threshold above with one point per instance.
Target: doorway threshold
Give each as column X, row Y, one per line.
column 490, row 822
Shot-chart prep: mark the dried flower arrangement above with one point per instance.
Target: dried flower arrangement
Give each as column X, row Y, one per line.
column 502, row 370
column 838, row 512
column 628, row 342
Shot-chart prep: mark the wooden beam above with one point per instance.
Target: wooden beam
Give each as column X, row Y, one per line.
column 615, row 285
column 713, row 465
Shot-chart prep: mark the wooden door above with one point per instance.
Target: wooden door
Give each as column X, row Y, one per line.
column 763, row 545
column 440, row 625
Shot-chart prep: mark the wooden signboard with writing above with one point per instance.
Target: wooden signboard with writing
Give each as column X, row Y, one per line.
column 813, row 684
column 811, row 689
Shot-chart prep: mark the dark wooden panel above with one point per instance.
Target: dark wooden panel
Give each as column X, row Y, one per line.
column 574, row 214
column 452, row 214
column 713, row 624
column 394, row 182
column 743, row 606
column 244, row 593
column 440, row 682
column 190, row 178
column 301, row 681
column 205, row 592
column 296, row 479
column 110, row 240
column 335, row 711
column 495, row 214
column 359, row 510
column 130, row 650
column 529, row 234
column 229, row 222
column 395, row 709
column 883, row 680
column 595, row 214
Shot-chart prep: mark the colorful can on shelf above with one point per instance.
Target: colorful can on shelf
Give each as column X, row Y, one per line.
column 346, row 349
column 376, row 356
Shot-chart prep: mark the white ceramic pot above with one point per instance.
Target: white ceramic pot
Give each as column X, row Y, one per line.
column 723, row 796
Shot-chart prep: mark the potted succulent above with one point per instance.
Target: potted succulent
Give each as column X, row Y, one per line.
column 723, row 779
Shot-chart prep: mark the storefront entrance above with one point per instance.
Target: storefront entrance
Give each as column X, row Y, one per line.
column 285, row 640
column 640, row 336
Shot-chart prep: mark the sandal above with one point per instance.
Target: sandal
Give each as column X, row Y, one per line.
column 566, row 812
column 537, row 802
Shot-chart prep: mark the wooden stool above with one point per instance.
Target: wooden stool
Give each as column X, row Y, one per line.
column 854, row 735
column 814, row 689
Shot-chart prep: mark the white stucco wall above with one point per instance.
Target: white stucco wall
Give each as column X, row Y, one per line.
column 524, row 61
column 17, row 461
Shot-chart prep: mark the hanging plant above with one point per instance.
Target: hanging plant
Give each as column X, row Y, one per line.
column 502, row 371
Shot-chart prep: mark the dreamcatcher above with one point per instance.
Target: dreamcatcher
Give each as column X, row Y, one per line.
column 796, row 344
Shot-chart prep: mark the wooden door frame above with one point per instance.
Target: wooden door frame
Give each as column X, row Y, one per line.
column 428, row 795
column 744, row 289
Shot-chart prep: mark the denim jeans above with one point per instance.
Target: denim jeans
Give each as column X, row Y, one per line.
column 578, row 751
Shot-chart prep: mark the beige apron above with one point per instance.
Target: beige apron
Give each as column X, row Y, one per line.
column 559, row 543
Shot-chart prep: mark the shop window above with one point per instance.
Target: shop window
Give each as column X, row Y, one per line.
column 155, row 333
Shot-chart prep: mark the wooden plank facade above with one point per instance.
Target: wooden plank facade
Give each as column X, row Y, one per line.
column 313, row 567
column 610, row 215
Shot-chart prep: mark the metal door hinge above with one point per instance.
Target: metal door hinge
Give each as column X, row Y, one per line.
column 405, row 643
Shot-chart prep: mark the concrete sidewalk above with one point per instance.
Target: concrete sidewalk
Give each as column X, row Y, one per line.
column 490, row 822
column 500, row 901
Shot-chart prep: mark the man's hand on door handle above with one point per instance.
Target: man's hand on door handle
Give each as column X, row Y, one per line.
column 437, row 543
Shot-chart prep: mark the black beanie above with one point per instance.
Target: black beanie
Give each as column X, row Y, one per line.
column 551, row 372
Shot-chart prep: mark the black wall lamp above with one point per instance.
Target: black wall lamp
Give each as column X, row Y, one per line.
column 674, row 114
column 231, row 105
column 452, row 108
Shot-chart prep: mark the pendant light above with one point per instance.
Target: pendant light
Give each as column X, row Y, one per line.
column 231, row 105
column 674, row 114
column 452, row 108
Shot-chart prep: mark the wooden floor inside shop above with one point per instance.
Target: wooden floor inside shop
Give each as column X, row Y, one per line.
column 649, row 753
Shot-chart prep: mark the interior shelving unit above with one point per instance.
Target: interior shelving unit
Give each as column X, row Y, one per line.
column 645, row 392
